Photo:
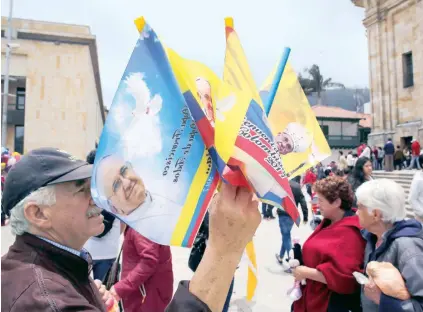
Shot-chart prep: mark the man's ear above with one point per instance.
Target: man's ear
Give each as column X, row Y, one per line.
column 37, row 216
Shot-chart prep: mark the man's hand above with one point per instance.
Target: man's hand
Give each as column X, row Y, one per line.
column 234, row 218
column 106, row 296
column 114, row 293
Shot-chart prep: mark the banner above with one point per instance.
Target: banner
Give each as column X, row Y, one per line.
column 152, row 169
column 299, row 138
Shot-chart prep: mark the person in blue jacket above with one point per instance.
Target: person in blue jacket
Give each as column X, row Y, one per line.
column 390, row 238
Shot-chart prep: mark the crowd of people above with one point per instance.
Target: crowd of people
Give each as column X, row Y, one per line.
column 62, row 239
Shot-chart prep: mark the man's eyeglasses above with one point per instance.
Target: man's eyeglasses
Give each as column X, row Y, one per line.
column 123, row 172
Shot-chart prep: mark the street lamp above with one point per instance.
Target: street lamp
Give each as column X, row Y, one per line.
column 9, row 47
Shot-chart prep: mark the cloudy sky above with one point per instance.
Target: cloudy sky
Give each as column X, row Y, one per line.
column 324, row 32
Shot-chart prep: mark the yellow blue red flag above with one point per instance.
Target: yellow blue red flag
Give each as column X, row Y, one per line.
column 152, row 169
column 255, row 152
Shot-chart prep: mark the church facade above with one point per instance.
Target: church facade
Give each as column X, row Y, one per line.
column 395, row 42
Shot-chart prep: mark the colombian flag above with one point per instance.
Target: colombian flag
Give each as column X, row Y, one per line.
column 206, row 177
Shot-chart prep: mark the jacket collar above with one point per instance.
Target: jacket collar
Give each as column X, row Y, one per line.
column 72, row 265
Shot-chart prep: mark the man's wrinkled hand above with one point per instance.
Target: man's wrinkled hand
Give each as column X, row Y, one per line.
column 106, row 296
column 114, row 293
column 234, row 218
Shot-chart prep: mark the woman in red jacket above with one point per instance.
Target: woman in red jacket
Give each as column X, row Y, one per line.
column 146, row 283
column 332, row 253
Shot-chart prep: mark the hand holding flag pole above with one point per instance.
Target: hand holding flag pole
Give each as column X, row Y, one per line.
column 277, row 80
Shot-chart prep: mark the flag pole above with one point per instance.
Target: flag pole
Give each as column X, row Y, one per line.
column 277, row 80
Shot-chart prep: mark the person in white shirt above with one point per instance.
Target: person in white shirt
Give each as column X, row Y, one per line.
column 367, row 152
column 342, row 162
column 350, row 160
column 104, row 250
column 415, row 197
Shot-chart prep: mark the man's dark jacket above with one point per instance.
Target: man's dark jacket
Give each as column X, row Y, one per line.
column 37, row 276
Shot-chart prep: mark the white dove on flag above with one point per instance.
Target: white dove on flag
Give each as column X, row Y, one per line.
column 142, row 137
column 224, row 105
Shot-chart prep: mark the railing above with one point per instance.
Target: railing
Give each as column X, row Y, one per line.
column 343, row 140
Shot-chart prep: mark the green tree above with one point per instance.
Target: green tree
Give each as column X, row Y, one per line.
column 315, row 82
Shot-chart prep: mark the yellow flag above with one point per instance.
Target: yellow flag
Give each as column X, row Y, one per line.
column 300, row 139
column 237, row 73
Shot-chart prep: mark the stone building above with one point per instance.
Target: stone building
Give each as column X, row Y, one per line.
column 395, row 43
column 55, row 96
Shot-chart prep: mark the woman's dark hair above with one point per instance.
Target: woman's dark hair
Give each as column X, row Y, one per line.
column 327, row 172
column 341, row 153
column 358, row 171
column 335, row 187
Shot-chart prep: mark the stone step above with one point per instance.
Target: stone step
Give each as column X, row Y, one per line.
column 393, row 175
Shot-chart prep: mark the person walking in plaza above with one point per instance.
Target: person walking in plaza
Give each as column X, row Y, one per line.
column 286, row 223
column 342, row 161
column 398, row 158
column 266, row 210
column 309, row 179
column 407, row 156
column 380, row 158
column 367, row 152
column 350, row 160
column 375, row 152
column 389, row 150
column 332, row 253
column 146, row 282
column 415, row 154
column 362, row 172
column 390, row 239
column 415, row 197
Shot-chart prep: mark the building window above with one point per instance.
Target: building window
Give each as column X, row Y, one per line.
column 19, row 139
column 325, row 130
column 3, row 33
column 20, row 98
column 407, row 69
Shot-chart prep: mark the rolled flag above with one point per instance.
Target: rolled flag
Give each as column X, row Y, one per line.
column 152, row 170
column 299, row 138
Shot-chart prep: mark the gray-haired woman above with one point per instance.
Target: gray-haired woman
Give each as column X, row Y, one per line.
column 390, row 238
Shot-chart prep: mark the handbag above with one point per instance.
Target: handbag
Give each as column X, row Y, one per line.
column 112, row 275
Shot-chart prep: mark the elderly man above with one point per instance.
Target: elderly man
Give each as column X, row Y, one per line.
column 121, row 190
column 390, row 238
column 47, row 195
